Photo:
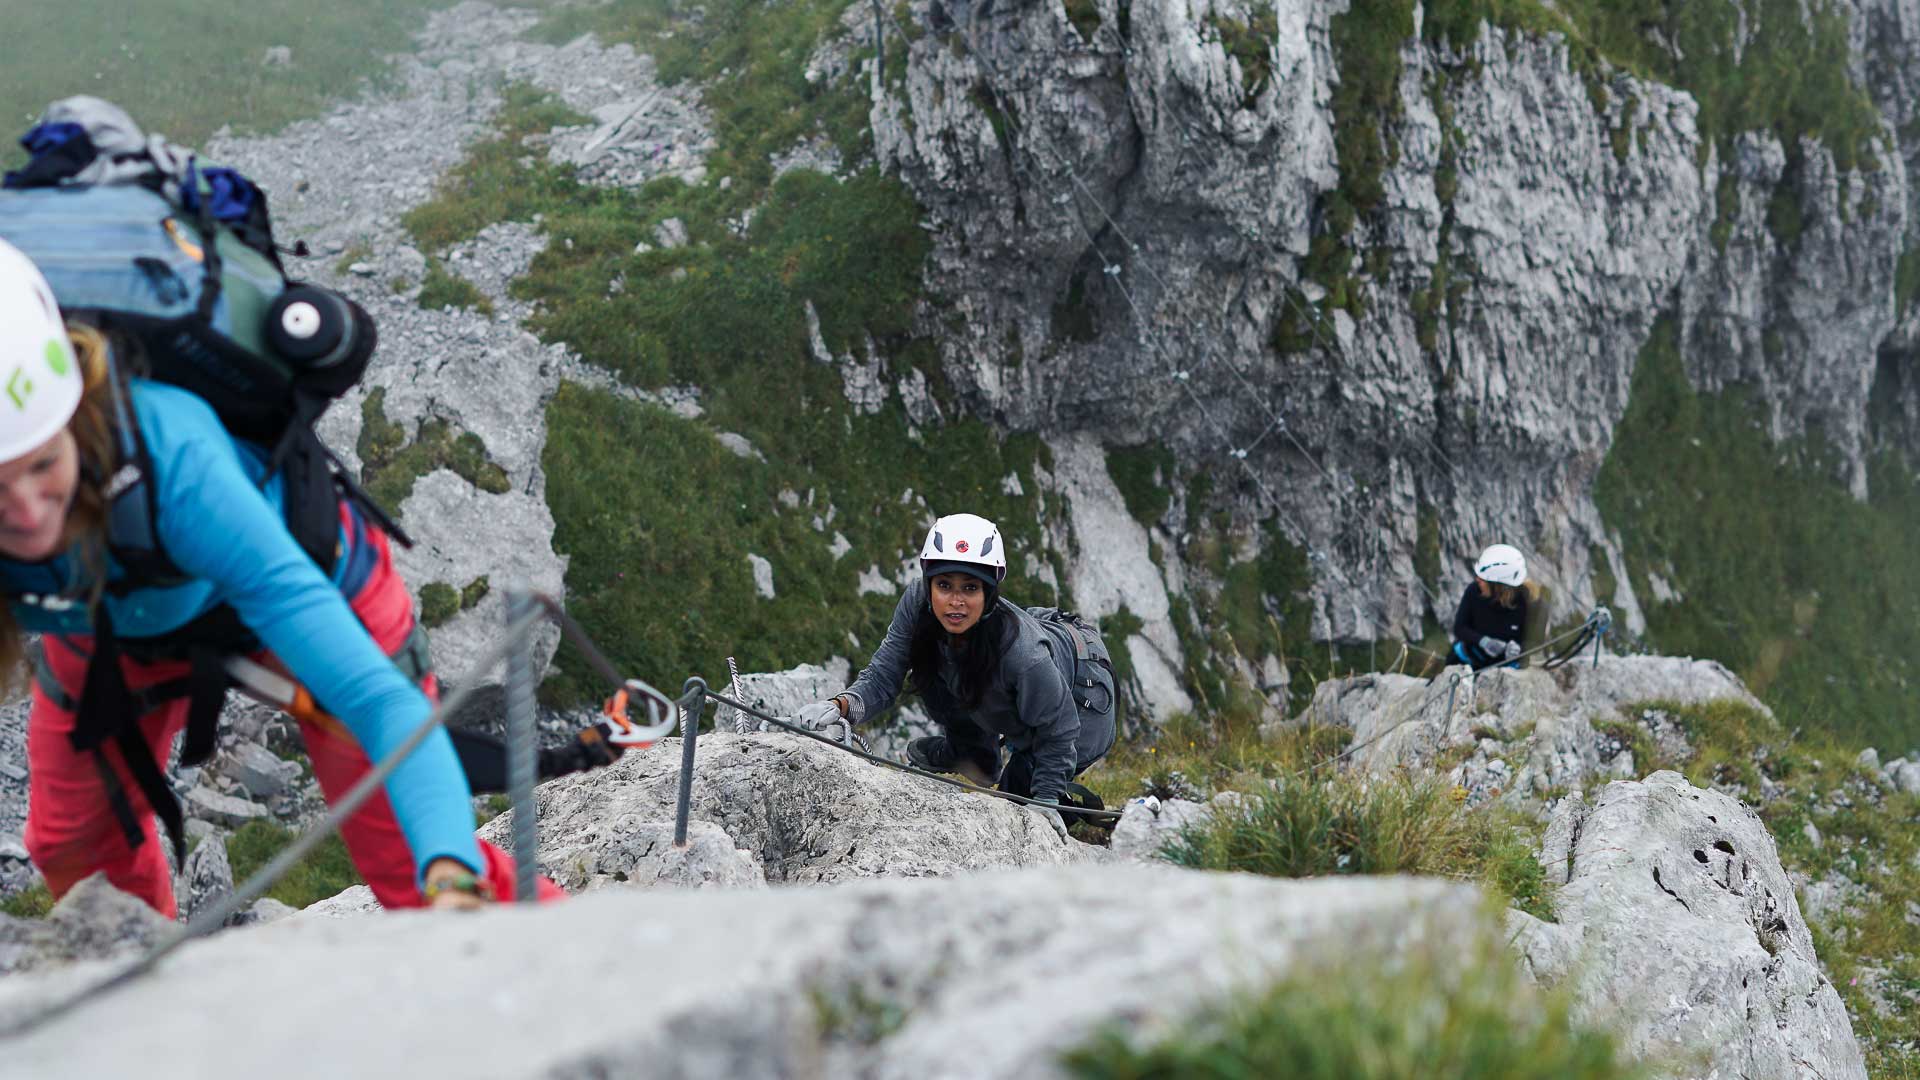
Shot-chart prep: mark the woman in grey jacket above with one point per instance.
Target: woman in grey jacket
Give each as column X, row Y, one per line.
column 1037, row 681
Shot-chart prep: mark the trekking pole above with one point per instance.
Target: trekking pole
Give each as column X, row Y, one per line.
column 693, row 701
column 521, row 764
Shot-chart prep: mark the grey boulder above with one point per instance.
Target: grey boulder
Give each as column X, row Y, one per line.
column 94, row 921
column 1678, row 925
column 801, row 811
column 976, row 976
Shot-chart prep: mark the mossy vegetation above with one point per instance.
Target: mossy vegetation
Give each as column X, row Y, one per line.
column 1250, row 44
column 390, row 464
column 1085, row 17
column 1748, row 531
column 442, row 288
column 1145, row 476
column 751, row 60
column 32, row 902
column 186, row 68
column 1454, row 1010
column 323, row 873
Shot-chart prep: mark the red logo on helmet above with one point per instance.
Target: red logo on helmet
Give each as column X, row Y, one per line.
column 961, row 547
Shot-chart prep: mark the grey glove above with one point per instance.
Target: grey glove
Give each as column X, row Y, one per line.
column 817, row 715
column 1493, row 646
column 1513, row 650
column 1049, row 809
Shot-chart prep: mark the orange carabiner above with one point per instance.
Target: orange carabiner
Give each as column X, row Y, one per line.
column 616, row 710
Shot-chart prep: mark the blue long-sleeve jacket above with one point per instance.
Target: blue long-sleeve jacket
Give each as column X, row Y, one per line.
column 225, row 530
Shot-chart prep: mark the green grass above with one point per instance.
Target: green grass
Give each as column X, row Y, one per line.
column 750, row 58
column 390, row 463
column 323, row 873
column 439, row 603
column 185, row 68
column 1747, row 531
column 492, row 185
column 442, row 288
column 1443, row 1011
column 1348, row 823
column 1145, row 476
column 32, row 902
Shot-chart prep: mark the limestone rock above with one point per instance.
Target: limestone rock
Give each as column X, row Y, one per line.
column 228, row 810
column 1148, row 823
column 883, row 978
column 806, row 813
column 1532, row 730
column 206, row 879
column 352, row 902
column 93, row 921
column 643, row 855
column 1691, row 939
column 262, row 772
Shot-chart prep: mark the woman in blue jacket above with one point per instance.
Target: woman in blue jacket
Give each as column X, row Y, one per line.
column 64, row 412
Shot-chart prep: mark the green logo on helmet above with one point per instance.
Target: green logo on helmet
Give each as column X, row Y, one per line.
column 57, row 358
column 19, row 388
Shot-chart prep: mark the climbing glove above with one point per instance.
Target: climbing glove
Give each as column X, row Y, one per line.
column 1049, row 810
column 817, row 715
column 1493, row 646
column 1513, row 650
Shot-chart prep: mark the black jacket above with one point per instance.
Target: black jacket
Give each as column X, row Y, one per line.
column 1482, row 616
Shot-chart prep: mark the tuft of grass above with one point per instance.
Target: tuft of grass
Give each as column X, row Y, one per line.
column 185, row 68
column 390, row 465
column 1349, row 823
column 1452, row 1011
column 32, row 902
column 438, row 604
column 442, row 288
column 323, row 873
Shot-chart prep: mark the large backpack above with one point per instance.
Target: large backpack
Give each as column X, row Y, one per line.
column 176, row 260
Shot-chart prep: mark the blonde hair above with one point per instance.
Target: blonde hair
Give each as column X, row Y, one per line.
column 1507, row 596
column 86, row 530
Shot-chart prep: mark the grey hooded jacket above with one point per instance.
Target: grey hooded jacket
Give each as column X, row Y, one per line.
column 1031, row 703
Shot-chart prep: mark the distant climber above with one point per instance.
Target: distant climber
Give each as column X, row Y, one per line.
column 1037, row 681
column 1492, row 616
column 86, row 454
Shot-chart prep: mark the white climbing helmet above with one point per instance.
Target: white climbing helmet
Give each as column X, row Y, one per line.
column 40, row 382
column 1502, row 564
column 966, row 544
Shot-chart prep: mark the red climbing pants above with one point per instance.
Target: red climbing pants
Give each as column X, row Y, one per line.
column 72, row 831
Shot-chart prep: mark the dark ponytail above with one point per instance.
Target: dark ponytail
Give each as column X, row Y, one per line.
column 978, row 659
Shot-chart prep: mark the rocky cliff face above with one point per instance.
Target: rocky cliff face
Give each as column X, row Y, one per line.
column 1393, row 300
